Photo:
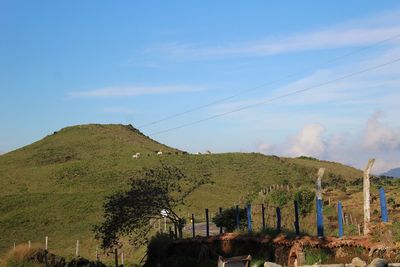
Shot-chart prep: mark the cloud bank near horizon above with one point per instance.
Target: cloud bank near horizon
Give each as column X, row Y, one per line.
column 377, row 140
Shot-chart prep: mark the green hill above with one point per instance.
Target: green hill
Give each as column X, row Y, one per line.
column 55, row 187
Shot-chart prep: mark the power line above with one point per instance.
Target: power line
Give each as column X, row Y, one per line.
column 221, row 100
column 279, row 97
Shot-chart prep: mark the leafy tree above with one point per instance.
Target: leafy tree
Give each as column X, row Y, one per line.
column 152, row 191
column 227, row 219
column 305, row 199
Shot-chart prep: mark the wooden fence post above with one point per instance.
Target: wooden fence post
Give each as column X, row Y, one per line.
column 320, row 218
column 122, row 259
column 382, row 200
column 296, row 218
column 193, row 229
column 263, row 216
column 249, row 223
column 116, row 257
column 77, row 249
column 366, row 195
column 220, row 228
column 340, row 219
column 237, row 218
column 278, row 219
column 207, row 224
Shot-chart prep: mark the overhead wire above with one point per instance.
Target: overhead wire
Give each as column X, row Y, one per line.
column 279, row 97
column 221, row 100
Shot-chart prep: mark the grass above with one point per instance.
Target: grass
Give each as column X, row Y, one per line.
column 316, row 256
column 19, row 257
column 55, row 187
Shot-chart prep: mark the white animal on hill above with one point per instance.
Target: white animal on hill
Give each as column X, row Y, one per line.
column 159, row 153
column 136, row 156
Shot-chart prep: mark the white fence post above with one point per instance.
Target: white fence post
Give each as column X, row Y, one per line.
column 77, row 248
column 366, row 194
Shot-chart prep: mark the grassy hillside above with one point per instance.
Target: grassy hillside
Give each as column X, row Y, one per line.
column 56, row 186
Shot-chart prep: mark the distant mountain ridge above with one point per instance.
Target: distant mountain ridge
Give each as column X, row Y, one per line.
column 393, row 173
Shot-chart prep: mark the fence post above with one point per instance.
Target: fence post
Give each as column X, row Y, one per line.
column 220, row 228
column 237, row 218
column 122, row 259
column 45, row 251
column 116, row 257
column 29, row 244
column 175, row 231
column 382, row 199
column 278, row 219
column 249, row 224
column 193, row 230
column 366, row 195
column 77, row 249
column 207, row 224
column 340, row 219
column 263, row 216
column 320, row 218
column 296, row 218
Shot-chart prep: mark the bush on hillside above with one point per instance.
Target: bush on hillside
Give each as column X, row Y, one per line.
column 280, row 198
column 305, row 199
column 227, row 219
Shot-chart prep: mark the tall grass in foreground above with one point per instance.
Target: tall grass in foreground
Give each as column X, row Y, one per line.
column 22, row 255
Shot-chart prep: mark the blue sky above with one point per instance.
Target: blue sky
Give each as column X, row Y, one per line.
column 73, row 62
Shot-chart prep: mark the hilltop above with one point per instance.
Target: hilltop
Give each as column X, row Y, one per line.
column 56, row 185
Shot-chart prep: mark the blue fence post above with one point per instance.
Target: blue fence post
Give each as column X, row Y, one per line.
column 382, row 198
column 340, row 218
column 278, row 219
column 207, row 224
column 249, row 225
column 263, row 216
column 320, row 218
column 296, row 218
column 193, row 230
column 220, row 229
column 237, row 218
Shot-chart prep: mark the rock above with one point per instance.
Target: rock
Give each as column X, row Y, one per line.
column 377, row 262
column 271, row 264
column 357, row 262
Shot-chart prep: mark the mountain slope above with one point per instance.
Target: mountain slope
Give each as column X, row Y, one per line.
column 393, row 173
column 56, row 186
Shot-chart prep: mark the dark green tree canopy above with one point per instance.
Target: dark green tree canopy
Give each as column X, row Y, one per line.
column 129, row 213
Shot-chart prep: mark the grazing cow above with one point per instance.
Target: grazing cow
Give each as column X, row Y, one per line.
column 136, row 156
column 159, row 153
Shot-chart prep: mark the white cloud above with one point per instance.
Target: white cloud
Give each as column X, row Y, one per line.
column 356, row 33
column 380, row 137
column 129, row 91
column 376, row 140
column 308, row 142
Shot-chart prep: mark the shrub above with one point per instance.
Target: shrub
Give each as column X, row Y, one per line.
column 227, row 219
column 305, row 199
column 279, row 198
